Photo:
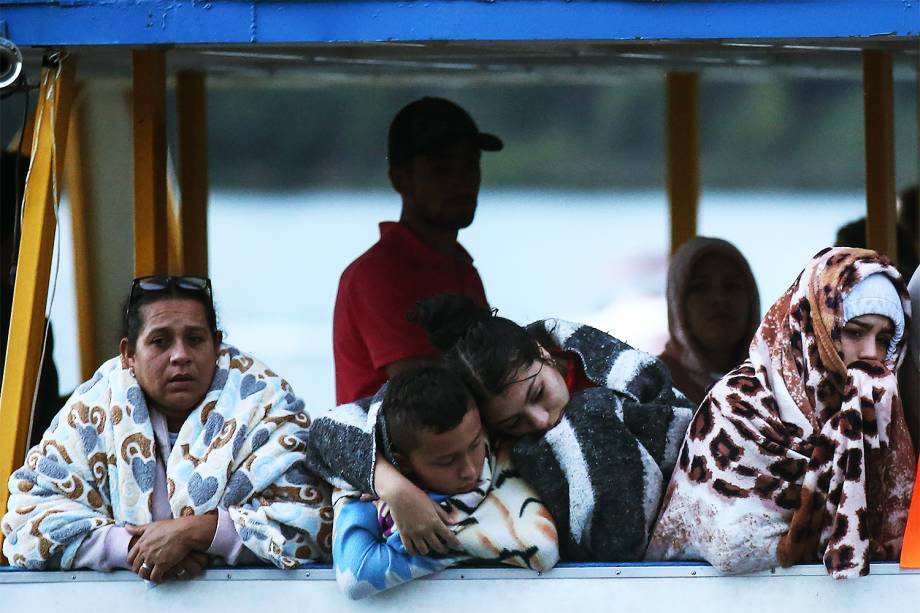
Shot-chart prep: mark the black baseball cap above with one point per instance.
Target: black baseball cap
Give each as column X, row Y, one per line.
column 429, row 125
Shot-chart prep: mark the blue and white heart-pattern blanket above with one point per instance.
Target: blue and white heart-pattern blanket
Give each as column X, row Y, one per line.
column 241, row 449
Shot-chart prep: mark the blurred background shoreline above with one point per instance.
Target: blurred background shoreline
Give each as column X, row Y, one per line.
column 597, row 257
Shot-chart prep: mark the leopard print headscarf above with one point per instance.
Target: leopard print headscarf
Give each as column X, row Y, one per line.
column 794, row 456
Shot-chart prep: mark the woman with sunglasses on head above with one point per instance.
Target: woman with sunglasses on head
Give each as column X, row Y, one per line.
column 594, row 427
column 801, row 454
column 179, row 451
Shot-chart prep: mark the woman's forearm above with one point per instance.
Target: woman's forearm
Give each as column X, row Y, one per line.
column 341, row 448
column 388, row 481
column 418, row 519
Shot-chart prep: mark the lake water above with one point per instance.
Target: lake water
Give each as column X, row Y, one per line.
column 597, row 257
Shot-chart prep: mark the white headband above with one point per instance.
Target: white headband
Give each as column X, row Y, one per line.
column 876, row 295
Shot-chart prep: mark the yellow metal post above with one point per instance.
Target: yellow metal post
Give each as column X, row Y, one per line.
column 79, row 198
column 27, row 321
column 683, row 155
column 191, row 98
column 151, row 254
column 878, row 92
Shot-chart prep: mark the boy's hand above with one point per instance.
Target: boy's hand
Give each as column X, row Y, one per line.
column 421, row 523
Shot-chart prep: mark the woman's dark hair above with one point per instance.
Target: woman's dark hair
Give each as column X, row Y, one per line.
column 483, row 349
column 428, row 398
column 133, row 321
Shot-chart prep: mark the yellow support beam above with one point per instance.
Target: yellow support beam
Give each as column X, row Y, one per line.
column 79, row 197
column 151, row 247
column 878, row 93
column 683, row 117
column 30, row 296
column 191, row 99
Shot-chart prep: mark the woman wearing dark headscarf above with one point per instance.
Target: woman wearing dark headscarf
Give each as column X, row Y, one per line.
column 713, row 312
column 801, row 453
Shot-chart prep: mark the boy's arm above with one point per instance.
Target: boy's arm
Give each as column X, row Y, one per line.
column 364, row 563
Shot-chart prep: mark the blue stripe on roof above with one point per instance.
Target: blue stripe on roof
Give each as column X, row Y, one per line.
column 124, row 22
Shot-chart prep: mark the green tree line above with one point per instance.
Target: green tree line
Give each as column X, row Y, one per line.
column 780, row 133
column 775, row 134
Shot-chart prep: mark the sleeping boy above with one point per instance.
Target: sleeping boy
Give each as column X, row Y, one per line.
column 438, row 442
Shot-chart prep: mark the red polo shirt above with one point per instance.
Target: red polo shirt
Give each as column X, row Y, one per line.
column 369, row 329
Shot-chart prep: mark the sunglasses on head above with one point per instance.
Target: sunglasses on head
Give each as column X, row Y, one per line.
column 157, row 283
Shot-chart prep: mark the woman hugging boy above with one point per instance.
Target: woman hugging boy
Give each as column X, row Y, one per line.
column 437, row 440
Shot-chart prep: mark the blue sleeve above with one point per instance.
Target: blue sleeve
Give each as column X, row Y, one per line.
column 365, row 563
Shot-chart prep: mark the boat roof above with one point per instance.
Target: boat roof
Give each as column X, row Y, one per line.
column 590, row 40
column 155, row 22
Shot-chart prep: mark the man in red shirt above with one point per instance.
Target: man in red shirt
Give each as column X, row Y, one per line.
column 434, row 151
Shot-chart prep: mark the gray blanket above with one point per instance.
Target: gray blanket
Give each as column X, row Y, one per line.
column 602, row 470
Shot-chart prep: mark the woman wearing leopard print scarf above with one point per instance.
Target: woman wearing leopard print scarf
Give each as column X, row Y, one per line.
column 801, row 454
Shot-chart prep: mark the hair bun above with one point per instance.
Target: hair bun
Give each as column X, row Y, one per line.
column 446, row 318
